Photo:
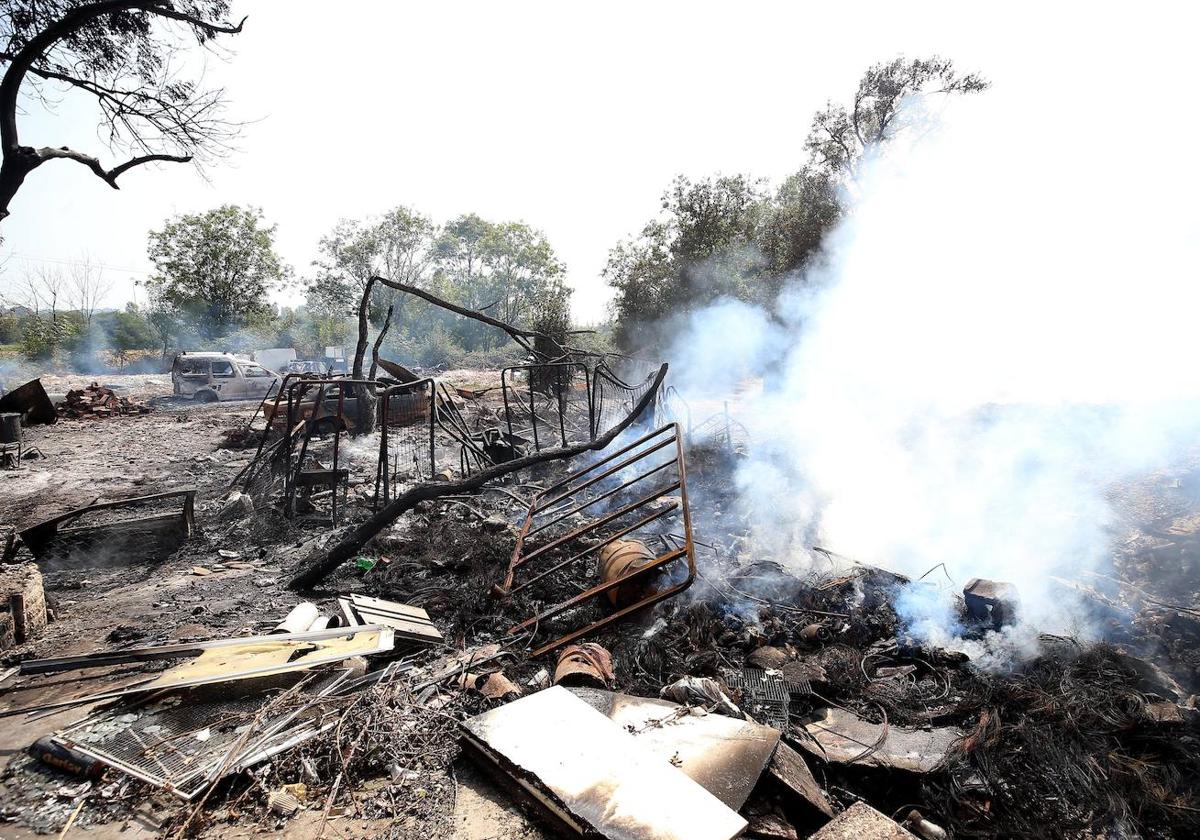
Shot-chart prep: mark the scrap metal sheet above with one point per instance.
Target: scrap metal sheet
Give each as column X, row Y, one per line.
column 724, row 755
column 845, row 738
column 595, row 776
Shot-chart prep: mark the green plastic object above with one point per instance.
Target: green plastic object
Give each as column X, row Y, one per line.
column 365, row 564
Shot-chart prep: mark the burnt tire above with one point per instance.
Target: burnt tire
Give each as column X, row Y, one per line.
column 205, row 397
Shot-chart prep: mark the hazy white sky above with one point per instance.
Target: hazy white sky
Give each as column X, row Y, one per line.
column 571, row 117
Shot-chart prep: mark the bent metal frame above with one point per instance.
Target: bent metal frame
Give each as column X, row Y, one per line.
column 526, row 568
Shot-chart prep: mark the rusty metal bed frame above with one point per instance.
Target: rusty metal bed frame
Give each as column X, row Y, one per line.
column 546, row 512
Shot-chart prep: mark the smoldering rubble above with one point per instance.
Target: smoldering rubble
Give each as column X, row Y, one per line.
column 534, row 603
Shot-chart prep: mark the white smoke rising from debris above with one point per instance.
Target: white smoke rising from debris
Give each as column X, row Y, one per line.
column 1003, row 326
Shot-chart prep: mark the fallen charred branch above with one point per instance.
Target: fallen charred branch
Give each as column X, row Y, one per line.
column 316, row 570
column 521, row 336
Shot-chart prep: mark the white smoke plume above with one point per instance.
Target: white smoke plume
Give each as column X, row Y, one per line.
column 1002, row 328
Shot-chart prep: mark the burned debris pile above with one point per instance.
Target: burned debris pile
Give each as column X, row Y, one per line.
column 98, row 402
column 551, row 581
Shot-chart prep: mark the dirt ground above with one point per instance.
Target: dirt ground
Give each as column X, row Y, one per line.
column 177, row 446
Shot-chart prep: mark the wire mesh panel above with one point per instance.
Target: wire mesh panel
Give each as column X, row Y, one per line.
column 673, row 408
column 613, row 397
column 180, row 740
column 549, row 405
column 407, row 446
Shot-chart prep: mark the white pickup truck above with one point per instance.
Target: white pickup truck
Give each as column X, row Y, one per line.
column 209, row 377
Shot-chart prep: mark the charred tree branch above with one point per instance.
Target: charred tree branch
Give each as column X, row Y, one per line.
column 387, row 323
column 19, row 161
column 317, row 569
column 522, row 337
column 364, row 310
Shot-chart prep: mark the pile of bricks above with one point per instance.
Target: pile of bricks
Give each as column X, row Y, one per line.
column 97, row 401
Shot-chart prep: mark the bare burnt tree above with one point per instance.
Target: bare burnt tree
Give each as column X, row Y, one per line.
column 87, row 288
column 45, row 287
column 125, row 55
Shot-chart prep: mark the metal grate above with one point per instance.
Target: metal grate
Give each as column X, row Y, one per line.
column 179, row 741
column 767, row 695
column 406, row 437
column 549, row 404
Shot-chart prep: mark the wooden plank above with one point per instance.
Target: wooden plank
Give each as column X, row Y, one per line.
column 353, row 619
column 406, row 628
column 227, row 660
column 174, row 651
column 408, row 621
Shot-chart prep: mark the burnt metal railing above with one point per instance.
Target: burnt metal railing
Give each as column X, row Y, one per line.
column 636, row 493
column 550, row 422
column 673, row 408
column 721, row 431
column 472, row 455
column 258, row 474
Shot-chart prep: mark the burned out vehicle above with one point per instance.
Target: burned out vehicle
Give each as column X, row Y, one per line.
column 212, row 377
